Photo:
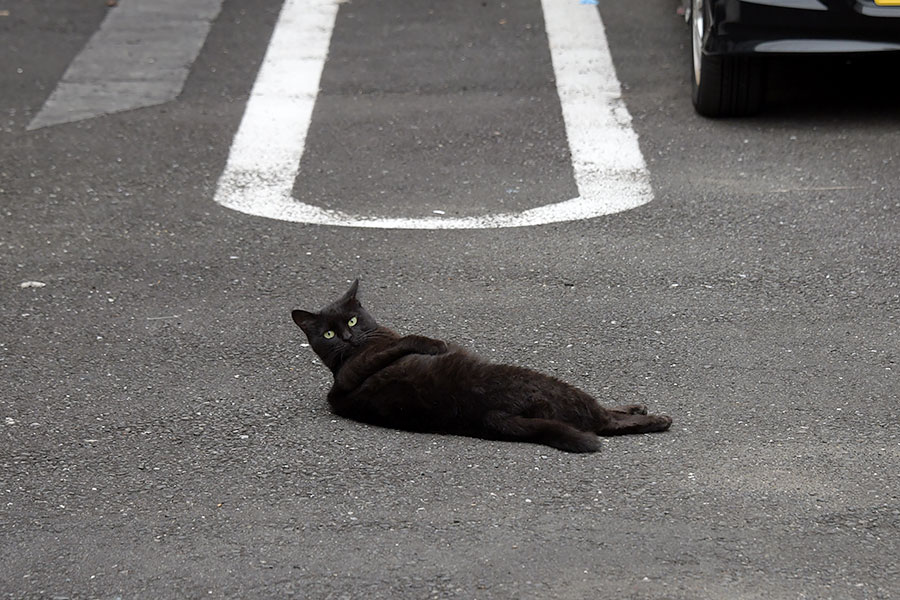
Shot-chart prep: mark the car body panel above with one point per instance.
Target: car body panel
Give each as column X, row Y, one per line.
column 744, row 27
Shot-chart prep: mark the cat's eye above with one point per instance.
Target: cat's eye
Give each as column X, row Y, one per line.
column 328, row 334
column 352, row 322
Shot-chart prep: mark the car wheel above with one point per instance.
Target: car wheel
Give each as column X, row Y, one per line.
column 722, row 86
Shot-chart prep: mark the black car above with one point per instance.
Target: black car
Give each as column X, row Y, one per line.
column 730, row 40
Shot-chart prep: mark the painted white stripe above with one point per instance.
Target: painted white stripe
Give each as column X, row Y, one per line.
column 140, row 56
column 265, row 155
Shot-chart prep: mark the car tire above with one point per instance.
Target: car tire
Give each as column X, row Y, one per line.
column 722, row 86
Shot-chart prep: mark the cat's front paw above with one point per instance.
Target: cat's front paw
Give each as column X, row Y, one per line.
column 423, row 345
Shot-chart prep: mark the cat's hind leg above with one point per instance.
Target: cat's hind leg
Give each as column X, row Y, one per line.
column 542, row 431
column 630, row 409
column 619, row 423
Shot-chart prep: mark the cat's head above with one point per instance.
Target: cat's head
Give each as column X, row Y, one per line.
column 338, row 330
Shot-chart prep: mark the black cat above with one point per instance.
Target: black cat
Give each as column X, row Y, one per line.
column 421, row 384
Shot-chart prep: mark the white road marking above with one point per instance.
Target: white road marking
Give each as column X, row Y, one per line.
column 140, row 56
column 265, row 155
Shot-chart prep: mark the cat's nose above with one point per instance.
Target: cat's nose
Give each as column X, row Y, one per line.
column 346, row 335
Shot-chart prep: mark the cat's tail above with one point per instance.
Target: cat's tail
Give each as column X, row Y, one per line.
column 618, row 422
column 542, row 431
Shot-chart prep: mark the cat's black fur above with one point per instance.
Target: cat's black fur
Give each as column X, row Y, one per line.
column 422, row 384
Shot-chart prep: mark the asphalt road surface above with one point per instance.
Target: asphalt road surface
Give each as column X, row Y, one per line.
column 163, row 430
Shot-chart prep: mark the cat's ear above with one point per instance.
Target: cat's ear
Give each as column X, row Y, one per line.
column 303, row 319
column 350, row 296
